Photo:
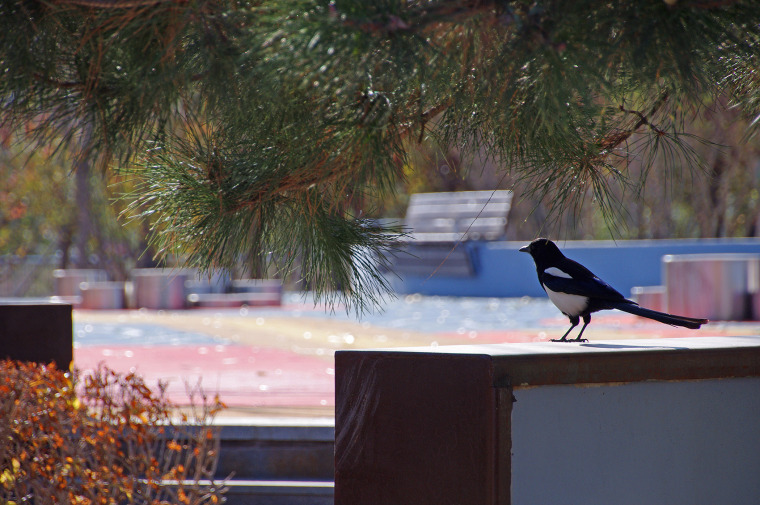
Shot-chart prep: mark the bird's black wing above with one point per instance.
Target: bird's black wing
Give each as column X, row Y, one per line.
column 592, row 286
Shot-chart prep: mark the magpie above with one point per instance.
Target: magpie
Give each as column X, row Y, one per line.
column 577, row 292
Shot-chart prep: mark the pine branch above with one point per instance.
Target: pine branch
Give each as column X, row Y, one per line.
column 710, row 4
column 115, row 4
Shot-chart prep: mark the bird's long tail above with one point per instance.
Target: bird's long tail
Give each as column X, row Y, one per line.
column 686, row 322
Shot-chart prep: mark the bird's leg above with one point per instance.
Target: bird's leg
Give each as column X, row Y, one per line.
column 574, row 322
column 586, row 320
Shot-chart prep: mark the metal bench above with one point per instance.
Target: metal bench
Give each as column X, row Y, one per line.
column 438, row 222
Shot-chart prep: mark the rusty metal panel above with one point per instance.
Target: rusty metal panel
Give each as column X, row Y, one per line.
column 41, row 333
column 421, row 429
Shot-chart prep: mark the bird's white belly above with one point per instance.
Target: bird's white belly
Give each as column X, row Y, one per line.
column 570, row 305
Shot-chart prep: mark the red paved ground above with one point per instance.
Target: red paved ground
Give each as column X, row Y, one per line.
column 242, row 376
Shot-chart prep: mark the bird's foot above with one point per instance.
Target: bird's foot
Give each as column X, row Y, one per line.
column 578, row 340
column 563, row 339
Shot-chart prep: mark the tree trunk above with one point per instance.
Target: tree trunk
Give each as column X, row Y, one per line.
column 82, row 175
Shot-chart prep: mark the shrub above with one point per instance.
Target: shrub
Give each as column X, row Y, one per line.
column 101, row 438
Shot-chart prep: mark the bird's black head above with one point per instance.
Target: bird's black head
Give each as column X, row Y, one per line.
column 542, row 249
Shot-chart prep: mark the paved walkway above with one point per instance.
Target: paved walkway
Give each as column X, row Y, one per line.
column 279, row 361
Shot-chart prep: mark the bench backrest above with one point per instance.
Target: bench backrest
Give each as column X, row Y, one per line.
column 464, row 215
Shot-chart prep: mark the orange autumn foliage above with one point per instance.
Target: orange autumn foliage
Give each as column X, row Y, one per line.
column 100, row 438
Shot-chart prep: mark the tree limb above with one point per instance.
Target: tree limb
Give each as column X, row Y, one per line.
column 449, row 12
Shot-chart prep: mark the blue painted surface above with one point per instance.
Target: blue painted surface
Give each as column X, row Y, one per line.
column 503, row 271
column 132, row 333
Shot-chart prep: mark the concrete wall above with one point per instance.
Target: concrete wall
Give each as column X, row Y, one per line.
column 503, row 271
column 688, row 443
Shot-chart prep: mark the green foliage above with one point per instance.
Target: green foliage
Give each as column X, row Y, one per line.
column 100, row 438
column 263, row 128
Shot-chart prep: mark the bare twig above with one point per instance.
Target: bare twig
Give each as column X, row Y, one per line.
column 613, row 141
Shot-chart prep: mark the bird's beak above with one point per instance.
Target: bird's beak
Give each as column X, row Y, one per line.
column 525, row 248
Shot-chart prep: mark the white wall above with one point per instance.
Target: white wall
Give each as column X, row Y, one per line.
column 644, row 443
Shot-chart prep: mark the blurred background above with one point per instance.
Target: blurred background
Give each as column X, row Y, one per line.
column 268, row 345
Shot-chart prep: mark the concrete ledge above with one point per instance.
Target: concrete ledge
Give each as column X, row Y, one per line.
column 544, row 363
column 279, row 493
column 295, row 450
column 240, row 431
column 281, row 486
column 718, row 287
column 156, row 288
column 102, row 295
column 273, row 492
column 651, row 297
